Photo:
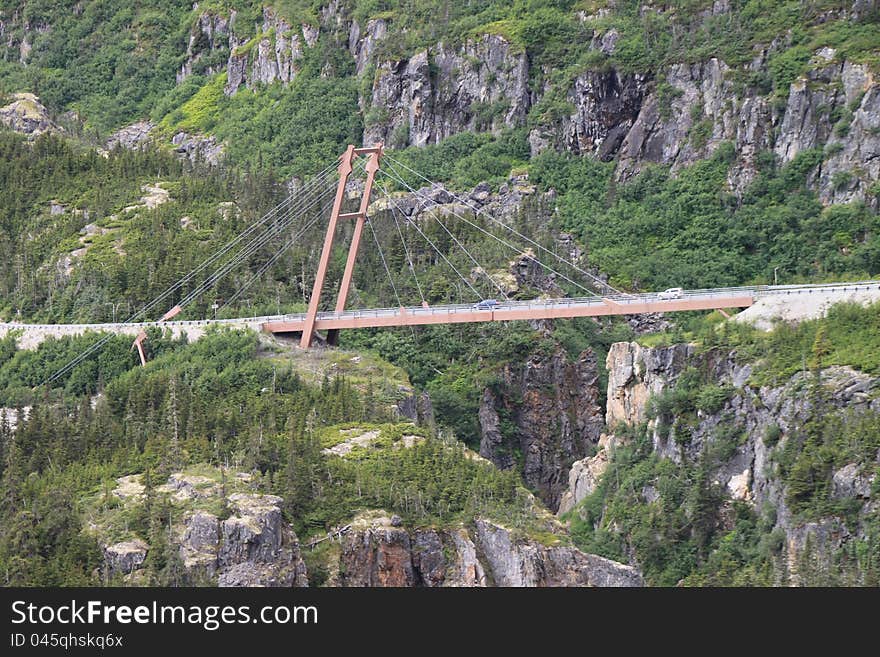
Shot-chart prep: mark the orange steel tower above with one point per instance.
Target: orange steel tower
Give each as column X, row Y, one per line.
column 345, row 167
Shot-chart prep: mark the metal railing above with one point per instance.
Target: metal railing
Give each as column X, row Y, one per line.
column 756, row 291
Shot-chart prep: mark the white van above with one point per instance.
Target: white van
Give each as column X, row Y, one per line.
column 671, row 293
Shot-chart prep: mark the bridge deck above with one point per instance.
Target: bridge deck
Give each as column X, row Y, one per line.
column 549, row 309
column 742, row 297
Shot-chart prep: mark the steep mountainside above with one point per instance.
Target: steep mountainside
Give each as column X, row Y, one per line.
column 776, row 469
column 638, row 83
column 692, row 143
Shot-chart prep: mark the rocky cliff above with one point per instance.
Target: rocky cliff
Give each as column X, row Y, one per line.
column 380, row 551
column 757, row 442
column 675, row 116
column 26, row 114
column 483, row 85
column 213, row 537
column 207, row 527
column 783, row 97
column 543, row 414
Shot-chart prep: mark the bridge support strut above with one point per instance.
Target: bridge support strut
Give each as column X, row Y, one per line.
column 345, row 167
column 142, row 336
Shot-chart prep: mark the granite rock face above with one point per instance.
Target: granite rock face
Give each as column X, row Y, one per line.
column 252, row 545
column 199, row 148
column 606, row 105
column 375, row 553
column 210, row 39
column 530, row 564
column 27, row 115
column 132, row 136
column 552, row 417
column 483, row 85
column 125, row 557
column 674, row 116
column 747, row 431
column 584, row 476
column 272, row 56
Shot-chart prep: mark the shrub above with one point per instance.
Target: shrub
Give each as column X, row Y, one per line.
column 711, row 398
column 772, row 434
column 786, row 66
column 841, row 179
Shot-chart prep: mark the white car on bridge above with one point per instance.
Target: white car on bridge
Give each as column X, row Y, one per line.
column 671, row 293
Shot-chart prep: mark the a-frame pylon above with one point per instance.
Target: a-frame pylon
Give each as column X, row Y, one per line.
column 345, row 167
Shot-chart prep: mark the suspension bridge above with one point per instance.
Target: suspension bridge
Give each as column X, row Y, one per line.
column 344, row 189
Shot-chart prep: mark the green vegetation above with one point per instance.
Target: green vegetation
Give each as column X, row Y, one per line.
column 430, row 482
column 291, row 131
column 466, row 159
column 77, row 247
column 673, row 533
column 681, row 530
column 675, row 521
column 216, row 402
column 126, row 57
column 658, row 231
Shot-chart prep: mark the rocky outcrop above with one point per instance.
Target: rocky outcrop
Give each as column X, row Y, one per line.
column 378, row 556
column 257, row 548
column 695, row 108
column 483, row 85
column 688, row 113
column 606, row 105
column 125, row 557
column 635, row 373
column 378, row 553
column 851, row 481
column 584, row 476
column 363, row 43
column 747, row 432
column 543, row 415
column 253, row 546
column 210, row 40
column 532, row 564
column 853, row 162
column 132, row 136
column 199, row 148
column 515, row 200
column 27, row 115
column 271, row 56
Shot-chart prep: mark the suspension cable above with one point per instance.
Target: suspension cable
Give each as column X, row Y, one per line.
column 308, row 188
column 434, row 246
column 409, row 260
column 257, row 243
column 286, row 218
column 480, row 268
column 397, row 178
column 275, row 257
column 384, row 263
column 478, row 210
column 249, row 250
column 388, row 271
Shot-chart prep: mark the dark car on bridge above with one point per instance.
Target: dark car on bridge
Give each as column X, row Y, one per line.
column 486, row 304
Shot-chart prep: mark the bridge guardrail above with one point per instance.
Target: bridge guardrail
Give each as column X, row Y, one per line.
column 756, row 291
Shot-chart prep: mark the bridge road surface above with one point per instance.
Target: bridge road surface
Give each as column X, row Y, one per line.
column 514, row 310
column 624, row 304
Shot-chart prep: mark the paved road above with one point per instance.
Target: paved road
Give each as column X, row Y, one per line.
column 739, row 297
